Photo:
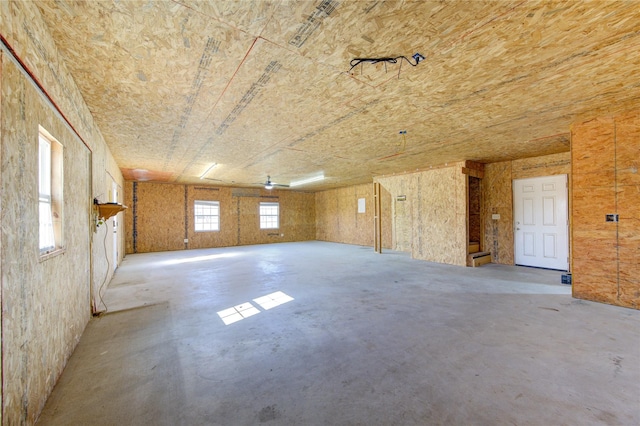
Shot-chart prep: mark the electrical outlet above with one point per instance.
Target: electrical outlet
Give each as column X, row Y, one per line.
column 186, row 240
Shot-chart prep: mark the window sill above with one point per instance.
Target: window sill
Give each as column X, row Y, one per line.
column 51, row 254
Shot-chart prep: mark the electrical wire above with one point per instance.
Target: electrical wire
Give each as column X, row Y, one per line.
column 386, row 60
column 104, row 244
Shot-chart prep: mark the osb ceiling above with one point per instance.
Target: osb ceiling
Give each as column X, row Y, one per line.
column 265, row 87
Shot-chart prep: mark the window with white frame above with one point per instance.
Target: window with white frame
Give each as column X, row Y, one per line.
column 269, row 215
column 50, row 186
column 207, row 216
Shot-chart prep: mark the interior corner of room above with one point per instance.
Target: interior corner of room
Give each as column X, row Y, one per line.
column 466, row 135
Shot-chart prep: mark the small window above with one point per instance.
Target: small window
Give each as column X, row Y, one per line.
column 207, row 216
column 269, row 215
column 49, row 193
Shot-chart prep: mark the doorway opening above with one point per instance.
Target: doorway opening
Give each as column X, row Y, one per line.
column 475, row 255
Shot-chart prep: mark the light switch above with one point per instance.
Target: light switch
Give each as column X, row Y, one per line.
column 495, row 216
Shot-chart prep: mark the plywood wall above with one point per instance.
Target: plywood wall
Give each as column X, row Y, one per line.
column 297, row 217
column 497, row 196
column 606, row 255
column 160, row 216
column 338, row 219
column 45, row 303
column 1, row 234
column 431, row 222
column 228, row 234
column 497, row 199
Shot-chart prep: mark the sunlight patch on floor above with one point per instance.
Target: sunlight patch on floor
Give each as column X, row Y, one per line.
column 237, row 313
column 198, row 258
column 246, row 310
column 272, row 300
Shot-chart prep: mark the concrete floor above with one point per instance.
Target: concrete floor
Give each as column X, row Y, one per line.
column 367, row 340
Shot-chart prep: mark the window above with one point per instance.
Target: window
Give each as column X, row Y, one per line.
column 49, row 192
column 207, row 216
column 269, row 215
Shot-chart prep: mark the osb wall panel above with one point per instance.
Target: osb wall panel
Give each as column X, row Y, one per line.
column 337, row 216
column 162, row 217
column 297, row 217
column 228, row 234
column 1, row 207
column 497, row 196
column 363, row 222
column 401, row 210
column 338, row 220
column 46, row 317
column 432, row 221
column 45, row 304
column 441, row 230
column 159, row 217
column 402, row 224
column 326, row 211
column 128, row 217
column 629, row 243
column 594, row 253
column 628, row 152
column 30, row 38
column 547, row 165
column 606, row 255
column 387, row 218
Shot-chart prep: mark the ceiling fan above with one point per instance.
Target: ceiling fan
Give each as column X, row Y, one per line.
column 270, row 185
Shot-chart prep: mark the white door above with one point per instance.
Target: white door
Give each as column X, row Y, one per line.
column 540, row 210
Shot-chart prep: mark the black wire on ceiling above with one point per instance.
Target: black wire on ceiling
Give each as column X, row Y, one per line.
column 387, row 60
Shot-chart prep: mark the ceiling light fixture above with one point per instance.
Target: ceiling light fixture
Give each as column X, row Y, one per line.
column 308, row 180
column 208, row 170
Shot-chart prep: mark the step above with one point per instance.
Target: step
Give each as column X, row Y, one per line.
column 474, row 247
column 480, row 258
